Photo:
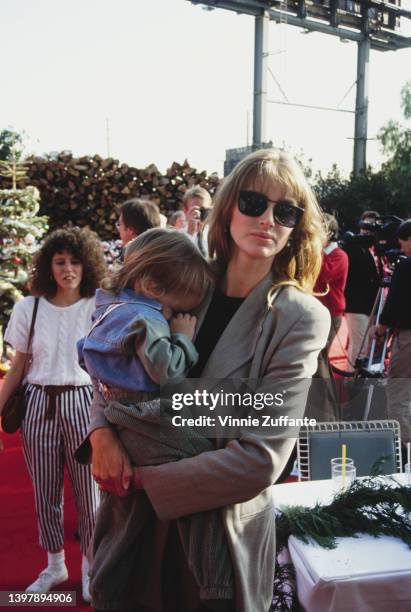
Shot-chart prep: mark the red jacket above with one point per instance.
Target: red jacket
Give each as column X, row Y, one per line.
column 333, row 274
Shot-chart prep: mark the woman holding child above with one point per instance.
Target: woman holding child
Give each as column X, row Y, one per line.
column 257, row 321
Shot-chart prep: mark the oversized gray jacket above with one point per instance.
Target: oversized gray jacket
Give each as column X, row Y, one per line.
column 272, row 344
column 152, row 439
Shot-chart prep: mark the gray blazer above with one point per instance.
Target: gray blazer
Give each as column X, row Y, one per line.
column 282, row 342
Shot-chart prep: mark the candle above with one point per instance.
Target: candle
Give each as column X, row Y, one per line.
column 409, row 453
column 344, row 464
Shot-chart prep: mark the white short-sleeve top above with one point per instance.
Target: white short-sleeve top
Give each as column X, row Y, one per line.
column 56, row 332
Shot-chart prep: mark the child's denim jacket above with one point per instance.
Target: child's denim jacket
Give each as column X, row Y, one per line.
column 130, row 345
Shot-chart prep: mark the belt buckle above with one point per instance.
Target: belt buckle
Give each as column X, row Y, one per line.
column 102, row 387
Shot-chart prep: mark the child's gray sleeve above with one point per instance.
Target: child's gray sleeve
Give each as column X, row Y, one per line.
column 165, row 356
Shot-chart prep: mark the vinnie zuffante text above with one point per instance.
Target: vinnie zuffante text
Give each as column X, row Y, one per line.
column 246, row 407
column 263, row 420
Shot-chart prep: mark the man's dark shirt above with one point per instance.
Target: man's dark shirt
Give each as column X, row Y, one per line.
column 397, row 309
column 363, row 280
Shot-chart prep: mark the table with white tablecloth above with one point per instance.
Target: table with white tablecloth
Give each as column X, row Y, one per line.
column 363, row 574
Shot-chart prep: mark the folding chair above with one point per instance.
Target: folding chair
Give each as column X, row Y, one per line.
column 367, row 442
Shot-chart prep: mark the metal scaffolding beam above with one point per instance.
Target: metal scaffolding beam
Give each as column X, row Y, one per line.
column 363, row 28
column 381, row 40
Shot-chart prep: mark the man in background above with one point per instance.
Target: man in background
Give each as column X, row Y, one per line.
column 197, row 205
column 365, row 273
column 136, row 216
column 178, row 220
column 396, row 316
column 196, row 197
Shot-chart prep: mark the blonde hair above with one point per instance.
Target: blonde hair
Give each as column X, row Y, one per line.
column 330, row 226
column 299, row 263
column 163, row 261
column 198, row 192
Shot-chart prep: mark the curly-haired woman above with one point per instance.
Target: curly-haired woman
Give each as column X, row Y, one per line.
column 66, row 272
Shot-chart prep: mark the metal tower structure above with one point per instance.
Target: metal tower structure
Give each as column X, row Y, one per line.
column 372, row 24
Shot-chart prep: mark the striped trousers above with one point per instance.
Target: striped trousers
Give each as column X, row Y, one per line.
column 49, row 445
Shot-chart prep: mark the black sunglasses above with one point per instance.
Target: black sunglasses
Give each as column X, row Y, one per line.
column 254, row 204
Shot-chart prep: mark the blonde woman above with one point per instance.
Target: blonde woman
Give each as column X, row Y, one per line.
column 259, row 321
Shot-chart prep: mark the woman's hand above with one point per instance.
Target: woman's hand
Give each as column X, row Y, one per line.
column 111, row 467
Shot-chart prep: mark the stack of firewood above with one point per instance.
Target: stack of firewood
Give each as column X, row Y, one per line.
column 86, row 191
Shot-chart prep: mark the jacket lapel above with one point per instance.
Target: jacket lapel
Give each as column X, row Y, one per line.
column 237, row 344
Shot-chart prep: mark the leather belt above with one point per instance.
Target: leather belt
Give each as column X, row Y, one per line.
column 53, row 392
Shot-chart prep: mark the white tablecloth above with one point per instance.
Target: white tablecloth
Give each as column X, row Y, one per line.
column 364, row 574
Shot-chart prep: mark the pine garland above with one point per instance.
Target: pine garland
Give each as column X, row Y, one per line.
column 285, row 595
column 368, row 506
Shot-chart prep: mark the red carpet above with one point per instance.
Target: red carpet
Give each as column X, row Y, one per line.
column 21, row 558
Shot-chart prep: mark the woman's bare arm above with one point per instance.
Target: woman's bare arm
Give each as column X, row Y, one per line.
column 12, row 380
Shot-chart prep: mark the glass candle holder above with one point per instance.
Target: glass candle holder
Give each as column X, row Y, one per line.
column 338, row 461
column 343, row 478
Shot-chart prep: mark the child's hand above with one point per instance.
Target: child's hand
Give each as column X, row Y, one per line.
column 183, row 324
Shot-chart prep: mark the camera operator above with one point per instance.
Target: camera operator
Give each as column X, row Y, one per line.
column 197, row 203
column 365, row 273
column 397, row 316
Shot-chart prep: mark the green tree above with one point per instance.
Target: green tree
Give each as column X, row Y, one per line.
column 395, row 139
column 348, row 198
column 11, row 143
column 388, row 191
column 20, row 229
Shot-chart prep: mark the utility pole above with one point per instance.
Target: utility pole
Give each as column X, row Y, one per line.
column 361, row 107
column 260, row 79
column 108, row 136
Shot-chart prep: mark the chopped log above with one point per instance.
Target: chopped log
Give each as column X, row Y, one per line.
column 87, row 191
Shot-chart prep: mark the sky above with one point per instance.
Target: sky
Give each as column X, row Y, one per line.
column 166, row 80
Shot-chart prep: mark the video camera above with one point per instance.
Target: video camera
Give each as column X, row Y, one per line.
column 382, row 234
column 204, row 213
